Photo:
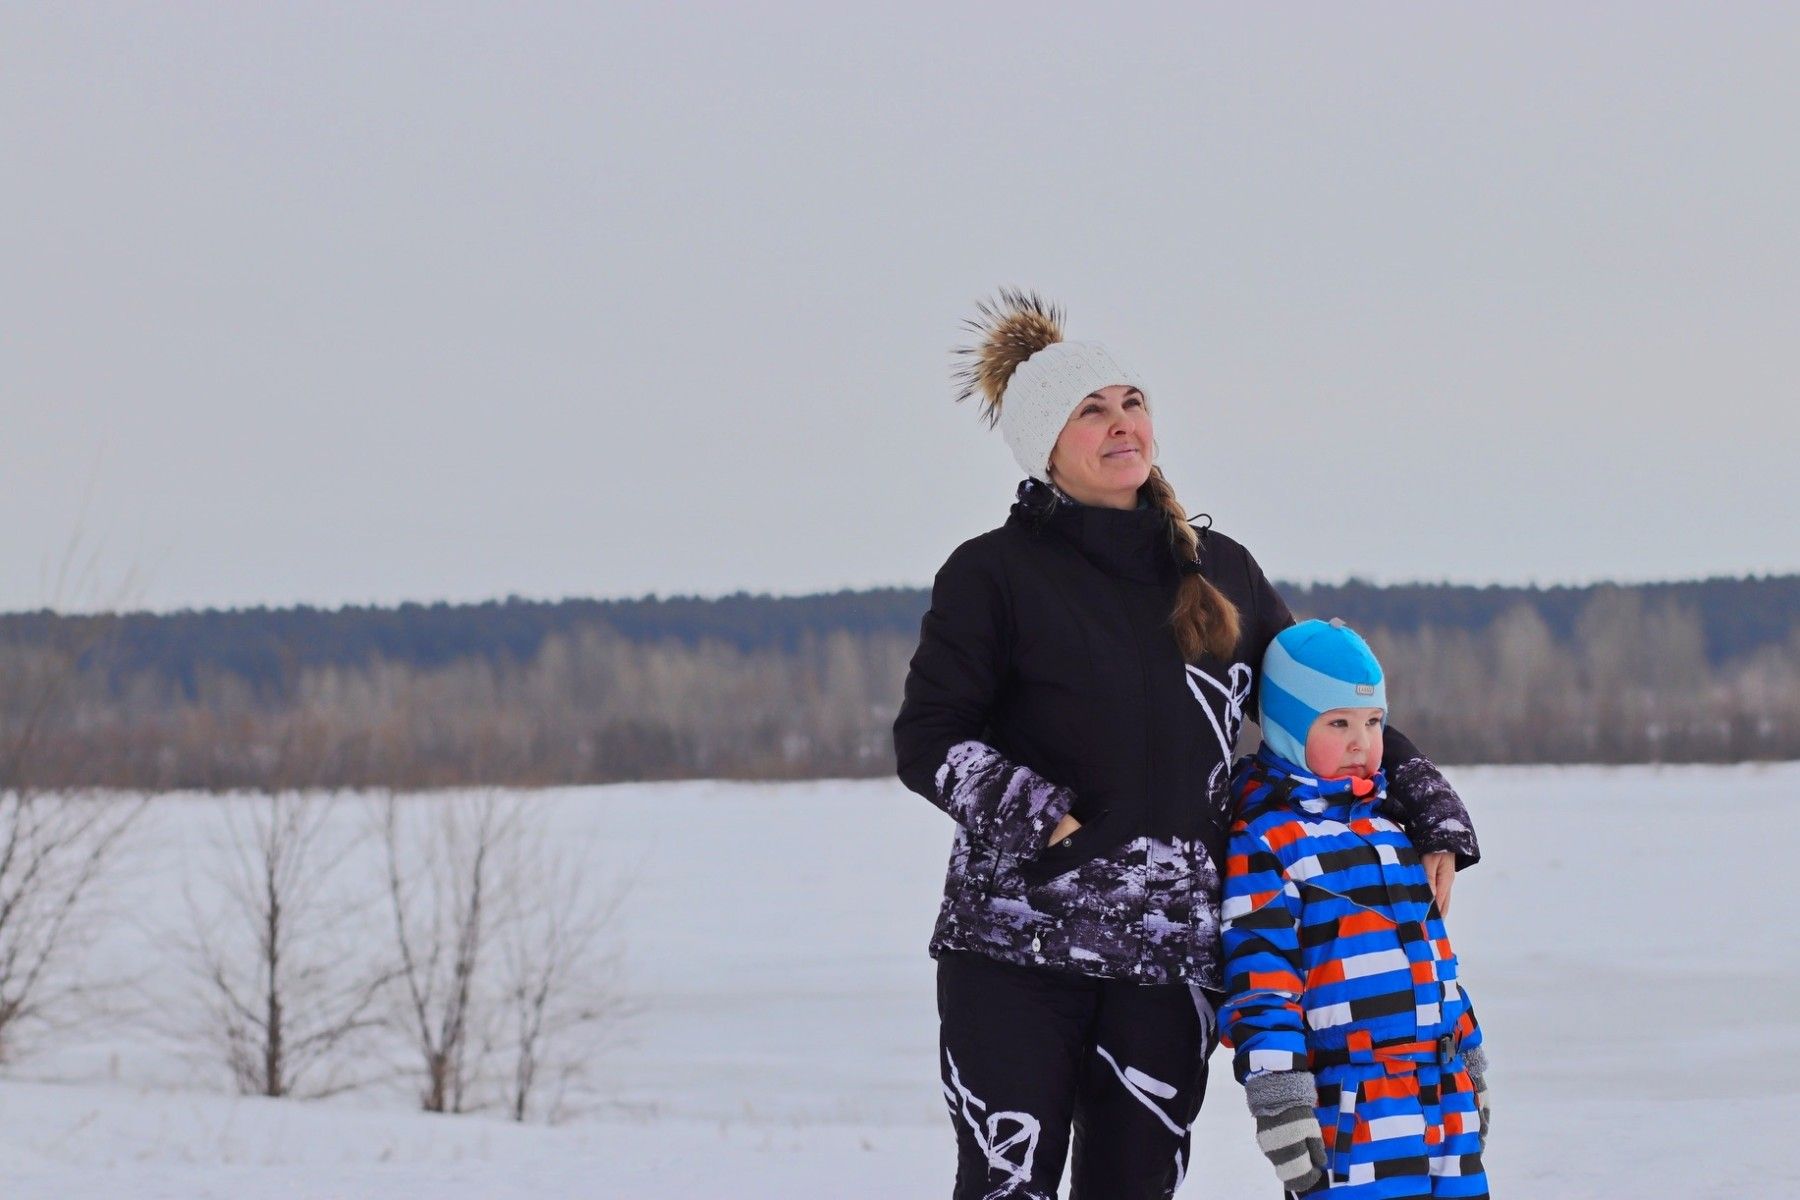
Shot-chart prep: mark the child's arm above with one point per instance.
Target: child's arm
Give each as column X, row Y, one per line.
column 1263, row 1020
column 1474, row 1052
column 1468, row 1029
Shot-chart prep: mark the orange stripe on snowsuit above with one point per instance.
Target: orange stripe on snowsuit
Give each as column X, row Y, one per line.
column 1391, row 1087
column 1405, row 1053
column 1362, row 922
column 1327, row 972
column 1283, row 836
column 1274, row 981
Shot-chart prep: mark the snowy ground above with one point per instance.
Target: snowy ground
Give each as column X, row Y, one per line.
column 1629, row 943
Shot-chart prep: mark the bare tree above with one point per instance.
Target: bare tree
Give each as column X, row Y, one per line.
column 285, row 993
column 442, row 861
column 56, row 847
column 561, row 993
column 506, row 986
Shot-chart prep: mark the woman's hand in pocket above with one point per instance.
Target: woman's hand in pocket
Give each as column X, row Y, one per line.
column 1063, row 829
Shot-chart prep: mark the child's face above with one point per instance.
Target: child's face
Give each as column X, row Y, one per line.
column 1345, row 741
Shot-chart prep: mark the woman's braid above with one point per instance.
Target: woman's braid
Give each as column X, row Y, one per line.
column 1205, row 622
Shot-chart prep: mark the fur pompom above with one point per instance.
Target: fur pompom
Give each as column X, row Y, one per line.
column 1010, row 330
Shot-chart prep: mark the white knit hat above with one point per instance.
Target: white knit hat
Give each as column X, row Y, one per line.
column 1045, row 390
column 1029, row 378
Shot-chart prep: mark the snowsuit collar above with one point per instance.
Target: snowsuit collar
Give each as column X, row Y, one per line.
column 1266, row 777
column 1129, row 542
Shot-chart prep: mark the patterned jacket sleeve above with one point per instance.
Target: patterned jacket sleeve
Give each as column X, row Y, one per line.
column 1423, row 800
column 1263, row 1019
column 951, row 688
column 1434, row 815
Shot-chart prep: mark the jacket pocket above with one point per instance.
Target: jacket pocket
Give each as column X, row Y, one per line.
column 1076, row 850
column 983, row 866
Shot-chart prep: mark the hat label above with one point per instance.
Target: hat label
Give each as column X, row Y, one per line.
column 1363, row 689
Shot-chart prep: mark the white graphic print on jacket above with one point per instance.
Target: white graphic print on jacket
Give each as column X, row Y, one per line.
column 1227, row 720
column 999, row 801
column 1145, row 910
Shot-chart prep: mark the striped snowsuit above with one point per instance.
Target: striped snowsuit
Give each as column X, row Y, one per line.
column 1337, row 963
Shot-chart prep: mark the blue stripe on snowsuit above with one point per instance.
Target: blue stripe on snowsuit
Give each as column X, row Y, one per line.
column 1337, row 963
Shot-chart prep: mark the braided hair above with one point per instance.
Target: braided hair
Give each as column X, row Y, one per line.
column 1205, row 622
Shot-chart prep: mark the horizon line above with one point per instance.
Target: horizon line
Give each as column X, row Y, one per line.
column 513, row 598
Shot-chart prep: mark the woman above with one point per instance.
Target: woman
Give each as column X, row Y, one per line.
column 1074, row 703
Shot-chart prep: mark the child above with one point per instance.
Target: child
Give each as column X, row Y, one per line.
column 1356, row 1046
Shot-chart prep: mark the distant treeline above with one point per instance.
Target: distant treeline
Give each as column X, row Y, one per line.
column 534, row 692
column 269, row 649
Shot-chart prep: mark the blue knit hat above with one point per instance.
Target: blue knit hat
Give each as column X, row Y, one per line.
column 1311, row 668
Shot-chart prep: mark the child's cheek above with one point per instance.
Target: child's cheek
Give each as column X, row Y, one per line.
column 1321, row 756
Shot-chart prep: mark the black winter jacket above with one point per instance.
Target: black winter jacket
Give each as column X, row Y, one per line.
column 1048, row 681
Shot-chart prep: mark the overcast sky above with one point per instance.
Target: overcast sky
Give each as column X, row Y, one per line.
column 368, row 303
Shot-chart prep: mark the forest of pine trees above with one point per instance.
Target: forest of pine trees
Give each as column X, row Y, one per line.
column 532, row 693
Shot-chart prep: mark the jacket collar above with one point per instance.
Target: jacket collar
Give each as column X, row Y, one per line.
column 1128, row 542
column 1312, row 793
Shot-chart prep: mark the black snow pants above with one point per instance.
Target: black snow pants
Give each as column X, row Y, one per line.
column 1029, row 1053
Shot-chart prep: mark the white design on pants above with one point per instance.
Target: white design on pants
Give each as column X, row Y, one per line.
column 987, row 1135
column 1142, row 1087
column 1209, row 1021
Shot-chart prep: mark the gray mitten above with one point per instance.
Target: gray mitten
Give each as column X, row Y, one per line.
column 1287, row 1130
column 1475, row 1063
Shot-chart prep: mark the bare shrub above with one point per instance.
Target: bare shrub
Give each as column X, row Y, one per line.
column 56, row 846
column 286, row 986
column 55, row 851
column 561, row 990
column 503, row 986
column 440, row 885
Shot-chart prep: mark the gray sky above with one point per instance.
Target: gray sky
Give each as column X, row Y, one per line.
column 345, row 303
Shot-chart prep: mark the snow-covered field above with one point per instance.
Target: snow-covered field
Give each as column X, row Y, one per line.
column 1629, row 942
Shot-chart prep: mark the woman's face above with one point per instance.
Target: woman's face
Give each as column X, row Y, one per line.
column 1102, row 456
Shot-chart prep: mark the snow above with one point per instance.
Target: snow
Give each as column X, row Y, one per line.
column 1628, row 944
